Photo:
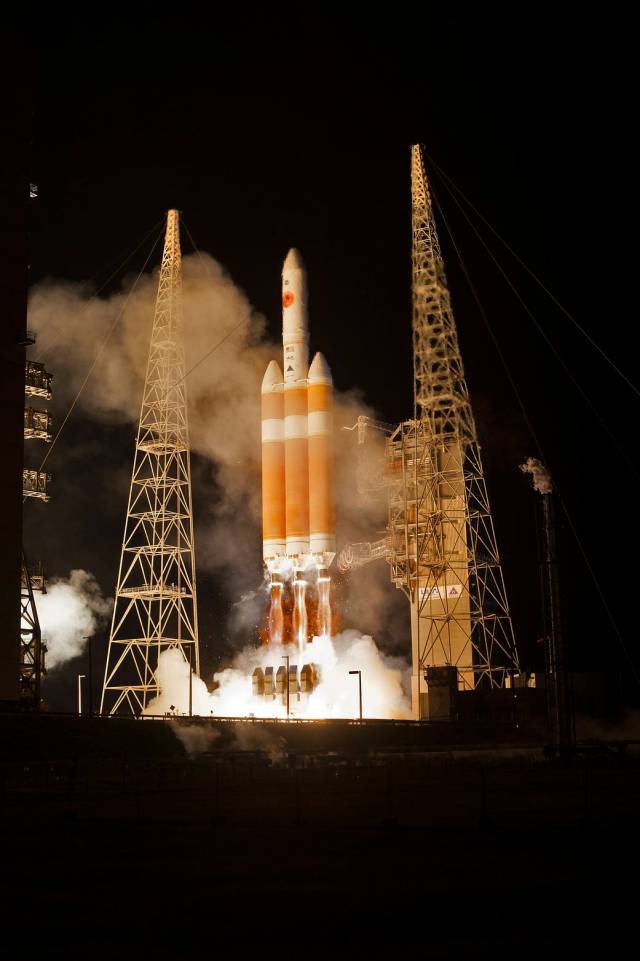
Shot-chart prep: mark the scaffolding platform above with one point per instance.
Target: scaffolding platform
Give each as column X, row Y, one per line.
column 35, row 483
column 37, row 381
column 38, row 424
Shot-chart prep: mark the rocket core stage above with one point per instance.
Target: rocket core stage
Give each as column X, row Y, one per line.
column 298, row 508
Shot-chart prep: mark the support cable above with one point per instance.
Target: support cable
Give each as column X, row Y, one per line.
column 211, row 350
column 535, row 277
column 99, row 352
column 536, row 441
column 236, row 327
column 545, row 336
column 201, row 360
column 111, row 276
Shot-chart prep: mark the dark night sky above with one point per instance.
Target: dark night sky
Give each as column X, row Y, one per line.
column 268, row 136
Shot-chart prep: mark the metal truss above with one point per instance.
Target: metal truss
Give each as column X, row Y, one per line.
column 353, row 556
column 35, row 484
column 38, row 424
column 155, row 605
column 442, row 545
column 37, row 381
column 32, row 649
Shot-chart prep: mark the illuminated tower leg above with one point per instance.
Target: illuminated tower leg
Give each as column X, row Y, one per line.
column 155, row 605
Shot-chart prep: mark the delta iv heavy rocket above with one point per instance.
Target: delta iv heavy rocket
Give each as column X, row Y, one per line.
column 298, row 506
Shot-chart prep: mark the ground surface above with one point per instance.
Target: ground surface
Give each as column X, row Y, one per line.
column 459, row 853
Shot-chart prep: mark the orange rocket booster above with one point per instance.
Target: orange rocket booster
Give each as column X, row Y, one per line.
column 297, row 435
column 273, row 489
column 322, row 519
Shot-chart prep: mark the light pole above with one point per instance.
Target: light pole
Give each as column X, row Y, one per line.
column 80, row 678
column 557, row 667
column 190, row 682
column 285, row 657
column 359, row 673
column 88, row 640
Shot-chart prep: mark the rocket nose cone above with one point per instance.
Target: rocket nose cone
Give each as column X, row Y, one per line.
column 320, row 369
column 272, row 376
column 293, row 261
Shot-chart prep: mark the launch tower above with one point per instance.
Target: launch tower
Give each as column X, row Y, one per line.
column 155, row 605
column 38, row 425
column 440, row 541
column 442, row 544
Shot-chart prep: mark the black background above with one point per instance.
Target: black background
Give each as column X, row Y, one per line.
column 274, row 133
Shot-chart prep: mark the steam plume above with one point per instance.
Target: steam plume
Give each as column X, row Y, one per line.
column 69, row 612
column 540, row 475
column 224, row 404
column 335, row 696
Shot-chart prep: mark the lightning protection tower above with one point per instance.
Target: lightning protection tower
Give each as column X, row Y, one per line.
column 155, row 605
column 442, row 545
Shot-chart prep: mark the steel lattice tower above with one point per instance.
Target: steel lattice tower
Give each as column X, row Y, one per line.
column 35, row 484
column 155, row 605
column 442, row 544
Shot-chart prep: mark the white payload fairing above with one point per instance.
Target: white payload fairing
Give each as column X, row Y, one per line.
column 298, row 506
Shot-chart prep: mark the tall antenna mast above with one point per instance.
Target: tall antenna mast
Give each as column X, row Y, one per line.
column 442, row 544
column 155, row 605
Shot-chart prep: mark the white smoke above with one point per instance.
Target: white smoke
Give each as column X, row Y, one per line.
column 69, row 612
column 540, row 474
column 383, row 694
column 224, row 419
column 199, row 738
column 249, row 737
column 196, row 738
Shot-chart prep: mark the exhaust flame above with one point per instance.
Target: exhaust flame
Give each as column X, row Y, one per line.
column 276, row 615
column 324, row 605
column 296, row 613
column 300, row 624
column 384, row 681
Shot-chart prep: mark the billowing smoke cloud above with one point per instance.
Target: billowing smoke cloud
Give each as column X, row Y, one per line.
column 248, row 737
column 69, row 612
column 224, row 417
column 539, row 473
column 198, row 738
column 335, row 696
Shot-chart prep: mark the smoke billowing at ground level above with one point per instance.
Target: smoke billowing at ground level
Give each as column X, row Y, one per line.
column 336, row 696
column 224, row 419
column 70, row 611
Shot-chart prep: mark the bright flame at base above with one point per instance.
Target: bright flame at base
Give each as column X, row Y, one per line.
column 383, row 691
column 300, row 626
column 276, row 615
column 324, row 605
